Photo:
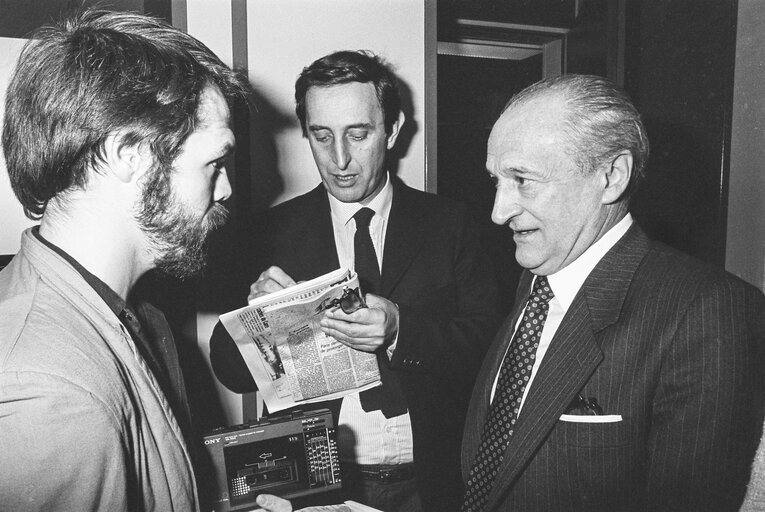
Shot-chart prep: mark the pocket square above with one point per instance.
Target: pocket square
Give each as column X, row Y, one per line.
column 582, row 405
column 591, row 418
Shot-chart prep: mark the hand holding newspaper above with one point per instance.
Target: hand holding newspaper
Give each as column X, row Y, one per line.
column 291, row 359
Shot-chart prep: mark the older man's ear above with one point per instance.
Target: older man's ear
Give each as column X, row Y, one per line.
column 617, row 177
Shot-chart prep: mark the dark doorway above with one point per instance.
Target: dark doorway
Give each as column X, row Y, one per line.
column 471, row 94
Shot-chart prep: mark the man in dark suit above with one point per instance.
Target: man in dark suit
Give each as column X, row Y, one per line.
column 432, row 307
column 634, row 379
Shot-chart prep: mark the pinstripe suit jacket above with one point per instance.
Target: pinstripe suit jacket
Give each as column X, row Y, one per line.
column 673, row 346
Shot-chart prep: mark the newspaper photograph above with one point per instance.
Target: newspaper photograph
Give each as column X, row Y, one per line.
column 290, row 358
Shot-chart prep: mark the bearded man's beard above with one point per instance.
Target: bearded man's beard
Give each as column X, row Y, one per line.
column 177, row 235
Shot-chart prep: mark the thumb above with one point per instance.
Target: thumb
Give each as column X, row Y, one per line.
column 273, row 503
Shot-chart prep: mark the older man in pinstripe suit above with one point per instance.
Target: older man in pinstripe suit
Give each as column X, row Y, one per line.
column 638, row 384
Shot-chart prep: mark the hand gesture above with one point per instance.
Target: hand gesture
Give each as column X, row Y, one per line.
column 366, row 329
column 271, row 280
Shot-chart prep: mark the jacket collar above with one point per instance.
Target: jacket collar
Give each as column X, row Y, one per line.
column 318, row 235
column 404, row 237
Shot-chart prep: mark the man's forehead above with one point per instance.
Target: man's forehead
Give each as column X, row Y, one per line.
column 213, row 129
column 213, row 106
column 524, row 142
column 353, row 100
column 537, row 119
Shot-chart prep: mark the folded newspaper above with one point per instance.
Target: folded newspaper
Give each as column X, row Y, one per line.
column 291, row 359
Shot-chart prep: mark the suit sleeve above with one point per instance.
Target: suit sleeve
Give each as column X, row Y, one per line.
column 227, row 363
column 448, row 332
column 708, row 406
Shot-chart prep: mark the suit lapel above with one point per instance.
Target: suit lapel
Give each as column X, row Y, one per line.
column 317, row 252
column 402, row 239
column 573, row 356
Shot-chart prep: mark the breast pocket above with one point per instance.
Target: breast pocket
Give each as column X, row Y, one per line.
column 594, row 435
column 601, row 458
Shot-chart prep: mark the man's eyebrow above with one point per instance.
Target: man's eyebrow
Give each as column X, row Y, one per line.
column 226, row 149
column 366, row 126
column 514, row 172
column 356, row 126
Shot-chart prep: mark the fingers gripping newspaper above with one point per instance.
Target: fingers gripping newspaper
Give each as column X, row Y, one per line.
column 291, row 359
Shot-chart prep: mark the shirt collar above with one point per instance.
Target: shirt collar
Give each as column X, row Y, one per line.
column 566, row 282
column 342, row 212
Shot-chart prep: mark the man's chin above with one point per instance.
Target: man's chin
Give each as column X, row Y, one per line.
column 345, row 194
column 182, row 242
column 531, row 262
column 182, row 268
column 216, row 217
column 188, row 259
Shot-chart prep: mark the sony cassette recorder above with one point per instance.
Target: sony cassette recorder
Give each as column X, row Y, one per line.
column 289, row 456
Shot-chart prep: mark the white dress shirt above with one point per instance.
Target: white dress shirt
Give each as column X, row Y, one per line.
column 368, row 437
column 565, row 284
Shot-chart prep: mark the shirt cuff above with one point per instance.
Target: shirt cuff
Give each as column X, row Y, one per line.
column 392, row 347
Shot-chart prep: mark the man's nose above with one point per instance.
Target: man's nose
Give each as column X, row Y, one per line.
column 342, row 156
column 222, row 187
column 505, row 204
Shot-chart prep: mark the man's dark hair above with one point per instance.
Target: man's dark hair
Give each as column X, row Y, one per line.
column 97, row 74
column 350, row 66
column 601, row 122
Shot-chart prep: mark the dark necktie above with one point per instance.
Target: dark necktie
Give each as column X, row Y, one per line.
column 503, row 412
column 365, row 258
column 389, row 398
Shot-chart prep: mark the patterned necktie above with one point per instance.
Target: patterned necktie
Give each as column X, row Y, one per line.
column 388, row 398
column 503, row 412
